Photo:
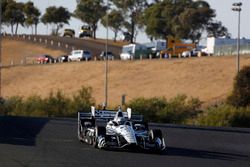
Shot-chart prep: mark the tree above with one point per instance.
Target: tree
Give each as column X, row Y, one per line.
column 115, row 20
column 4, row 6
column 241, row 92
column 216, row 29
column 13, row 15
column 57, row 16
column 184, row 19
column 132, row 10
column 195, row 19
column 157, row 19
column 31, row 15
column 90, row 12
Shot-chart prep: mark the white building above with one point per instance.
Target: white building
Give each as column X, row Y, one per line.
column 219, row 46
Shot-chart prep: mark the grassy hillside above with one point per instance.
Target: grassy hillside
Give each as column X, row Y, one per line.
column 17, row 50
column 208, row 78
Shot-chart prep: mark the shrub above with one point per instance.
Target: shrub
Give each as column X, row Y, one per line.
column 241, row 93
column 34, row 106
column 216, row 116
column 241, row 118
column 82, row 100
column 2, row 106
column 57, row 105
column 225, row 115
column 176, row 110
column 148, row 107
column 179, row 110
column 14, row 105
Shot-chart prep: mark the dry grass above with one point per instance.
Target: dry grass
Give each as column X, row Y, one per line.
column 208, row 78
column 17, row 51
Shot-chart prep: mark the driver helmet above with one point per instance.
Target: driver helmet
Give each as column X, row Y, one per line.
column 120, row 120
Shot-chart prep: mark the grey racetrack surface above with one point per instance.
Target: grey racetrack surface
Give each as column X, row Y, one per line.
column 41, row 142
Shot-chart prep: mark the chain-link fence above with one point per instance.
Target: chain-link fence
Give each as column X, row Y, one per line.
column 231, row 49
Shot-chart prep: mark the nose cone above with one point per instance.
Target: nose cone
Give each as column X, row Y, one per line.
column 128, row 133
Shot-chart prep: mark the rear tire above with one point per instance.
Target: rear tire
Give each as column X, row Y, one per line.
column 80, row 133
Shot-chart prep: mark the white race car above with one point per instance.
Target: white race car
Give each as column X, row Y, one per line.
column 122, row 130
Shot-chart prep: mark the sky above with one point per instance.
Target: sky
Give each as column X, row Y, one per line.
column 223, row 10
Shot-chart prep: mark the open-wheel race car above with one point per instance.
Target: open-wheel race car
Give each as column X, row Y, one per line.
column 122, row 130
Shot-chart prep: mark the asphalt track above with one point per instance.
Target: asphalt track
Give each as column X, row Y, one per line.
column 41, row 142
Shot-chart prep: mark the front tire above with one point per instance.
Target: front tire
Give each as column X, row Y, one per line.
column 100, row 131
column 155, row 133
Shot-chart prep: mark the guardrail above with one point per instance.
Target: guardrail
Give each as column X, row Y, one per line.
column 44, row 40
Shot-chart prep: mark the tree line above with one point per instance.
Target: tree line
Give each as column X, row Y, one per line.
column 183, row 19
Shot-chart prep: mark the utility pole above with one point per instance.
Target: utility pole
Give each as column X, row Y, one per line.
column 237, row 8
column 106, row 58
column 0, row 49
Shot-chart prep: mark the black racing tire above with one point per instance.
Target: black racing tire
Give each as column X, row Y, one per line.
column 99, row 131
column 155, row 133
column 79, row 134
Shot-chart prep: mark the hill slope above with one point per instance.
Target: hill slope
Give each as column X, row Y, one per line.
column 209, row 78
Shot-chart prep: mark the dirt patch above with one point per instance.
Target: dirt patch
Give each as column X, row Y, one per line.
column 208, row 78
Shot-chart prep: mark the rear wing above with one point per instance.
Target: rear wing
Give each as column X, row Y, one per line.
column 108, row 115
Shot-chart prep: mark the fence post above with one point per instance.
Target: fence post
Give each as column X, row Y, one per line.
column 199, row 54
column 123, row 99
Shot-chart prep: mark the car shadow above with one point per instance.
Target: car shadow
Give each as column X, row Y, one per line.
column 191, row 153
column 204, row 154
column 20, row 130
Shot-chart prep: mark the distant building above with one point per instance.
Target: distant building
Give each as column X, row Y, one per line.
column 227, row 46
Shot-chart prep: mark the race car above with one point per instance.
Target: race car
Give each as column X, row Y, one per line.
column 122, row 130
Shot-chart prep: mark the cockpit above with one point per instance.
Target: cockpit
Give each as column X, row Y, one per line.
column 119, row 118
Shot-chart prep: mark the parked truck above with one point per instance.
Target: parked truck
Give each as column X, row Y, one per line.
column 134, row 51
column 176, row 47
